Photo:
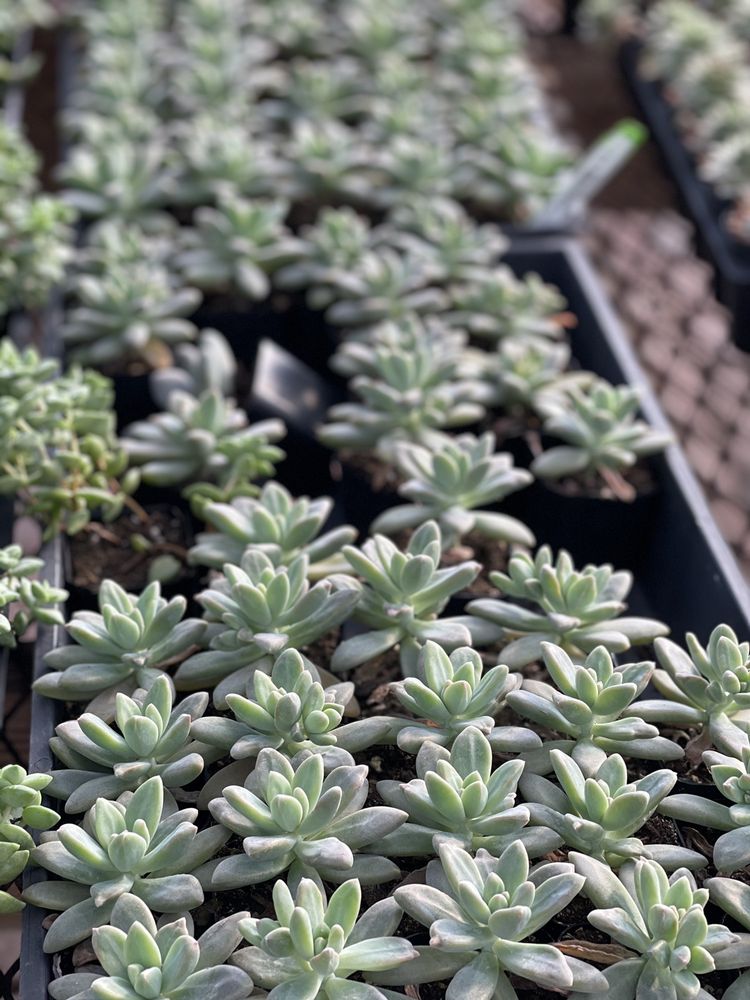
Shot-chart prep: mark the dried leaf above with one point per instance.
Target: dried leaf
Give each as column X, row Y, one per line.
column 590, row 951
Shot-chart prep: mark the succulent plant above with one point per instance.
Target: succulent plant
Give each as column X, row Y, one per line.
column 293, row 817
column 412, row 166
column 449, row 483
column 586, row 703
column 329, row 162
column 599, row 814
column 123, row 847
column 290, row 710
column 125, row 646
column 207, row 364
column 410, row 387
column 502, row 306
column 145, row 961
column 15, row 20
column 601, row 432
column 257, row 610
column 457, row 796
column 275, row 523
column 700, row 686
column 660, row 920
column 237, row 245
column 578, row 609
column 315, row 944
column 21, row 807
column 450, row 693
column 24, row 598
column 13, row 861
column 480, row 911
column 732, row 896
column 153, row 739
column 731, row 775
column 205, row 443
column 402, row 597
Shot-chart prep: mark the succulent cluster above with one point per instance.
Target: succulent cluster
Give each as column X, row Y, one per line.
column 25, row 598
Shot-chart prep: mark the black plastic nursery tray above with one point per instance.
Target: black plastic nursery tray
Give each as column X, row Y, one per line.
column 684, row 571
column 729, row 258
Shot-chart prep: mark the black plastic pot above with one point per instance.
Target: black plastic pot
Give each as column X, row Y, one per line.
column 715, row 243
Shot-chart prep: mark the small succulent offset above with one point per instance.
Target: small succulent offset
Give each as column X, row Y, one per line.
column 525, row 371
column 450, row 693
column 31, row 600
column 480, row 911
column 123, row 847
column 125, row 646
column 143, row 961
column 577, row 609
column 661, row 920
column 402, row 597
column 209, row 363
column 237, row 245
column 731, row 775
column 20, row 807
column 153, row 739
column 276, row 523
column 586, row 703
column 601, row 431
column 449, row 483
column 457, row 796
column 315, row 944
column 700, row 686
column 290, row 711
column 292, row 816
column 207, row 443
column 257, row 610
column 599, row 814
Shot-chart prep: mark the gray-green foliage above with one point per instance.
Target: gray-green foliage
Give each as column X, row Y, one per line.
column 601, row 431
column 257, row 610
column 315, row 944
column 458, row 796
column 733, row 897
column 525, row 371
column 660, row 920
column 237, row 245
column 126, row 645
column 205, row 444
column 600, row 814
column 480, row 911
column 290, row 710
column 209, row 363
column 153, row 739
column 449, row 693
column 276, row 523
column 586, row 704
column 24, row 598
column 20, row 807
column 130, row 846
column 292, row 816
column 575, row 609
column 451, row 484
column 402, row 596
column 143, row 961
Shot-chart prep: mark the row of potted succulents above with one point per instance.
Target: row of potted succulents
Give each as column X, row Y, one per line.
column 687, row 66
column 218, row 761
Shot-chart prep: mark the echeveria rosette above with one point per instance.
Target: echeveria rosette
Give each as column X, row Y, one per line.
column 276, row 523
column 315, row 944
column 700, row 687
column 258, row 610
column 452, row 692
column 20, row 807
column 294, row 818
column 575, row 609
column 457, row 796
column 290, row 710
column 731, row 775
column 661, row 922
column 127, row 645
column 152, row 738
column 600, row 814
column 480, row 912
column 451, row 484
column 402, row 596
column 33, row 600
column 145, row 961
column 601, row 432
column 586, row 704
column 131, row 846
